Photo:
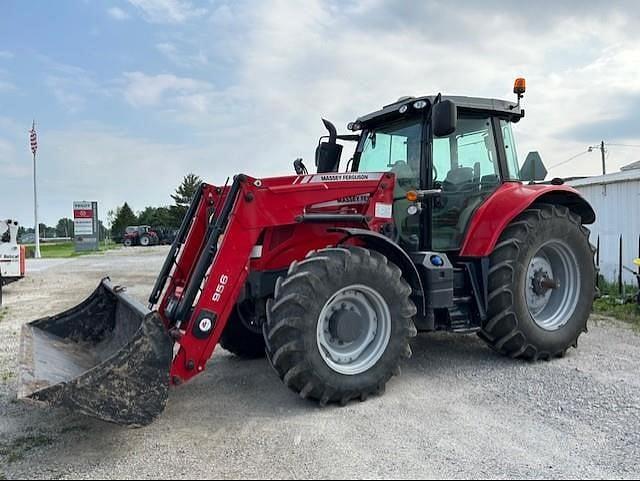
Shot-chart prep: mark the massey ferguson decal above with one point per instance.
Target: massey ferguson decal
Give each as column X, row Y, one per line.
column 338, row 177
column 354, row 199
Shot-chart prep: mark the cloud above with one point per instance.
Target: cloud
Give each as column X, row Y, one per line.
column 168, row 11
column 244, row 83
column 270, row 80
column 616, row 121
column 94, row 162
column 15, row 165
column 4, row 54
column 143, row 90
column 72, row 86
column 117, row 13
column 183, row 57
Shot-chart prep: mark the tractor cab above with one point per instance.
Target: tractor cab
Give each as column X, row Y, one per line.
column 454, row 150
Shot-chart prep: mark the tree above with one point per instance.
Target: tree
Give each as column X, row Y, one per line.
column 64, row 227
column 183, row 195
column 157, row 217
column 124, row 217
column 102, row 230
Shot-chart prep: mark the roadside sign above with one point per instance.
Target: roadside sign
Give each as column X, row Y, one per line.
column 85, row 225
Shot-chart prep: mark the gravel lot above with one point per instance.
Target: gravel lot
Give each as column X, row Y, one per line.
column 458, row 411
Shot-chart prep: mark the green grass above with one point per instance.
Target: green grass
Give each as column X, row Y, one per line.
column 611, row 304
column 3, row 312
column 65, row 249
column 15, row 450
column 613, row 307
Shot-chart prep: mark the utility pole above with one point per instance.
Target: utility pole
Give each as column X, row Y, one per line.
column 603, row 151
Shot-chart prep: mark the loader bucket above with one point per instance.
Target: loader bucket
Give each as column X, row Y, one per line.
column 108, row 357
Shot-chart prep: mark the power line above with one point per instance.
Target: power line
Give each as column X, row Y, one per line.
column 569, row 159
column 625, row 145
column 601, row 147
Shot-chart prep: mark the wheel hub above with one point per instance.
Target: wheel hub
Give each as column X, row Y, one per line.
column 542, row 282
column 354, row 329
column 346, row 325
column 553, row 285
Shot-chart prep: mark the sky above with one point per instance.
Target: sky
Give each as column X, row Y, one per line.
column 131, row 95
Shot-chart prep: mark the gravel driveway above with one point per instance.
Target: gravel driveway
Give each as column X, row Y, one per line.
column 458, row 411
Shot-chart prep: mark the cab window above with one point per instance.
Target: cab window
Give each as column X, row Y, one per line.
column 466, row 168
column 396, row 148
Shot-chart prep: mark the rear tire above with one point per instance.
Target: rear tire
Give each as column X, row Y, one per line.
column 242, row 338
column 145, row 241
column 297, row 320
column 526, row 318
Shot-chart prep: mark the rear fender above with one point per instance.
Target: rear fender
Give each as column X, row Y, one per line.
column 509, row 201
column 393, row 252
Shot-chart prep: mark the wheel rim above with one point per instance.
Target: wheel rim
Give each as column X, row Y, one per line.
column 144, row 241
column 354, row 329
column 552, row 285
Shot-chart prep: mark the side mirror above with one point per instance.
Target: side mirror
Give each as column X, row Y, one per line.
column 533, row 168
column 328, row 153
column 328, row 157
column 444, row 118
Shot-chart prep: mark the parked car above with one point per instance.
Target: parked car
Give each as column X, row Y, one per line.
column 140, row 235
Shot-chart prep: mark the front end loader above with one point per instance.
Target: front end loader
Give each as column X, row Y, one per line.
column 431, row 225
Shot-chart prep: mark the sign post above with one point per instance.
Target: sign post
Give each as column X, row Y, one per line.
column 85, row 226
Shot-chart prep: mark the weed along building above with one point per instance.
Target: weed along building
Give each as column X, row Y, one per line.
column 616, row 200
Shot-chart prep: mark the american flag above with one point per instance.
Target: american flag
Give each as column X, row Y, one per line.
column 34, row 138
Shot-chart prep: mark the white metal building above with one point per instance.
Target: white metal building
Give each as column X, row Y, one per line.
column 616, row 200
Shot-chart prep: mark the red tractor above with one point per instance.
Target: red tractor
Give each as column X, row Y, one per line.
column 140, row 235
column 431, row 225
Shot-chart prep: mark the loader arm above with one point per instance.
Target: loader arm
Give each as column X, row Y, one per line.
column 112, row 358
column 209, row 261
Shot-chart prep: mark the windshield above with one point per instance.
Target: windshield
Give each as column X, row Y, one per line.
column 394, row 147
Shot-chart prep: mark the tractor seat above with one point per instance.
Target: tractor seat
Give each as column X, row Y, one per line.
column 458, row 178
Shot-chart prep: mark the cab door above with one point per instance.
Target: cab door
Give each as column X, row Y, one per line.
column 396, row 147
column 466, row 167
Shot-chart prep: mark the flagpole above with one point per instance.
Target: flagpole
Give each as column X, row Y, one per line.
column 35, row 193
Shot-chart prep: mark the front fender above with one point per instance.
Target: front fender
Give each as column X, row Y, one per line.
column 509, row 201
column 394, row 253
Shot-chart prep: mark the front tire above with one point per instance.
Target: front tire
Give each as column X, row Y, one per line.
column 541, row 285
column 242, row 335
column 339, row 324
column 128, row 243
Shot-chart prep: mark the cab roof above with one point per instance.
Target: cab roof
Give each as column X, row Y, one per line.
column 495, row 106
